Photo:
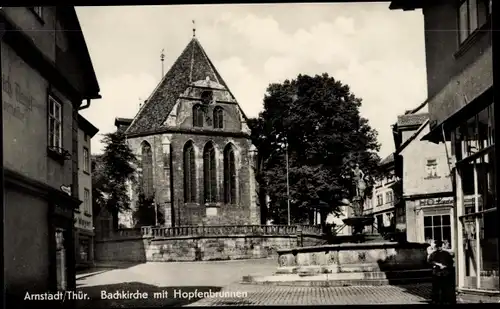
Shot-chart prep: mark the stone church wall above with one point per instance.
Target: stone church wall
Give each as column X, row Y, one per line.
column 168, row 168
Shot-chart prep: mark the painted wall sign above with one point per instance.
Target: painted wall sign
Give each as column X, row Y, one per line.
column 66, row 189
column 19, row 102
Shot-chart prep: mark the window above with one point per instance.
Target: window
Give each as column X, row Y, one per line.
column 380, row 199
column 86, row 160
column 431, row 168
column 438, row 227
column 38, row 10
column 55, row 125
column 218, row 118
column 189, row 174
column 472, row 14
column 86, row 137
column 86, row 201
column 229, row 176
column 147, row 170
column 478, row 222
column 389, row 197
column 198, row 116
column 209, row 174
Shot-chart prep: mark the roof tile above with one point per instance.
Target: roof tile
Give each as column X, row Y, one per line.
column 412, row 119
column 192, row 65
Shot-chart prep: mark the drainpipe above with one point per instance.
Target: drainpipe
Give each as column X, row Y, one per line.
column 2, row 26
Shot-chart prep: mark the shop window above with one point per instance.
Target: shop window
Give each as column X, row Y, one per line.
column 478, row 221
column 438, row 227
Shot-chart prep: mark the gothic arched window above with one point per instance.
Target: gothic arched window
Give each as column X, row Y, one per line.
column 229, row 175
column 198, row 116
column 147, row 169
column 209, row 174
column 189, row 174
column 218, row 117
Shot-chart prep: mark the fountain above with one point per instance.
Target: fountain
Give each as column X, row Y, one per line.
column 357, row 259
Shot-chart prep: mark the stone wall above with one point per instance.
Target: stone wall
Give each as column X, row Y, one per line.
column 202, row 243
column 196, row 248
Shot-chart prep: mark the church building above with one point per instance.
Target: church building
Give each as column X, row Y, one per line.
column 192, row 141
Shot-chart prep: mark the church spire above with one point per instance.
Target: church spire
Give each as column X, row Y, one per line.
column 194, row 29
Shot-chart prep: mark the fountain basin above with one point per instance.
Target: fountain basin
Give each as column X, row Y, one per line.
column 361, row 221
column 344, row 264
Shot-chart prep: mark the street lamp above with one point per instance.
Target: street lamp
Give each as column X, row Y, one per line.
column 287, row 182
column 294, row 98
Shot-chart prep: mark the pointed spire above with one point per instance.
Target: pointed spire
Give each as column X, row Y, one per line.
column 194, row 29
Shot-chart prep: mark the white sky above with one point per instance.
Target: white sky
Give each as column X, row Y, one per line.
column 376, row 51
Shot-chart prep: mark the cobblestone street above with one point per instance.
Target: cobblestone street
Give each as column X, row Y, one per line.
column 224, row 277
column 355, row 295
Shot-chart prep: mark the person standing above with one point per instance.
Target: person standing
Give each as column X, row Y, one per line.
column 443, row 275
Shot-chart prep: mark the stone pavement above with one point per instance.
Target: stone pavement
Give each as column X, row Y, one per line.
column 313, row 296
column 225, row 277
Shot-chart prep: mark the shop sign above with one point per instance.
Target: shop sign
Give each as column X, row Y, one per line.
column 437, row 201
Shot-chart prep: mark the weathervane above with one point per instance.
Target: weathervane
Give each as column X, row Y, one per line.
column 194, row 29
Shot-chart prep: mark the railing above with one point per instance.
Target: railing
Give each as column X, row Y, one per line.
column 278, row 230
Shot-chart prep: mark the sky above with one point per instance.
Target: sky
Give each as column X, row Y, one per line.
column 379, row 53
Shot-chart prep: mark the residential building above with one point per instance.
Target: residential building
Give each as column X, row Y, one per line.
column 196, row 158
column 427, row 187
column 46, row 74
column 84, row 225
column 381, row 204
column 459, row 57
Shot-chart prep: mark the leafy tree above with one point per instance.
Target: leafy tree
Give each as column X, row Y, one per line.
column 315, row 121
column 144, row 213
column 114, row 171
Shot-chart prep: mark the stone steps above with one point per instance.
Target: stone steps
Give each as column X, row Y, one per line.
column 330, row 269
column 344, row 278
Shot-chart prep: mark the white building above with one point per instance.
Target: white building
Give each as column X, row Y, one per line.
column 84, row 227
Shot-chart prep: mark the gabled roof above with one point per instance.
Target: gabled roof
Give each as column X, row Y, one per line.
column 412, row 119
column 192, row 65
column 25, row 47
column 411, row 138
column 72, row 23
column 86, row 126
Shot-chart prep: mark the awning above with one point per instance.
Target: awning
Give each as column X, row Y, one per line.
column 438, row 130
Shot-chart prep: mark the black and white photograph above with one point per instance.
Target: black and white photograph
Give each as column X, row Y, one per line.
column 270, row 154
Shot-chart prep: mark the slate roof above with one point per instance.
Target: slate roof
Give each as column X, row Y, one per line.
column 412, row 119
column 388, row 159
column 192, row 65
